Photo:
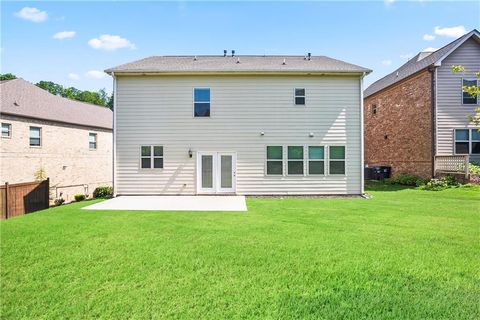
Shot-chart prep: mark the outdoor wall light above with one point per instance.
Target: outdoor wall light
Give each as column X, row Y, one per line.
column 190, row 153
column 311, row 135
column 262, row 133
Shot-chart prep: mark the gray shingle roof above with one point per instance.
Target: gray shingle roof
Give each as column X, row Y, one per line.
column 22, row 98
column 243, row 63
column 414, row 65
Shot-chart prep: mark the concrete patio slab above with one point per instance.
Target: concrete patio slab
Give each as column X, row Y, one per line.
column 172, row 203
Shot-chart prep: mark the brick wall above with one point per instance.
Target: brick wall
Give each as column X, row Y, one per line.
column 400, row 133
column 64, row 155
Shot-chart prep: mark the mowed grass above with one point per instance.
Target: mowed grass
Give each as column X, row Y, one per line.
column 403, row 254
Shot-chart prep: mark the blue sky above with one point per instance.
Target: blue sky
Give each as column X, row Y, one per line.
column 92, row 36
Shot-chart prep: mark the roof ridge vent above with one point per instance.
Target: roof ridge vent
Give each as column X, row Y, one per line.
column 284, row 61
column 238, row 59
column 195, row 58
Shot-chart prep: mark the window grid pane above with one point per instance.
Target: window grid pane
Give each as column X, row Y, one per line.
column 274, row 167
column 337, row 167
column 461, row 135
column 146, row 151
column 475, row 135
column 295, row 152
column 295, row 167
column 337, row 152
column 146, row 163
column 316, row 152
column 316, row 167
column 461, row 147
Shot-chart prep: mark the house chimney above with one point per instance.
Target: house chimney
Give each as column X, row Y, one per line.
column 309, row 55
column 224, row 53
column 233, row 53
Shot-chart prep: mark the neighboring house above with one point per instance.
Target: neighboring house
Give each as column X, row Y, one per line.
column 417, row 117
column 250, row 125
column 70, row 141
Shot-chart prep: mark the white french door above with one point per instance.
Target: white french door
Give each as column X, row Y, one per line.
column 216, row 172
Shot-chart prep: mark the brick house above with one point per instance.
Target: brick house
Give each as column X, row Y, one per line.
column 417, row 117
column 70, row 141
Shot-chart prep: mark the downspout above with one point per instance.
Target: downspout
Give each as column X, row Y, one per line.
column 433, row 98
column 114, row 136
column 362, row 164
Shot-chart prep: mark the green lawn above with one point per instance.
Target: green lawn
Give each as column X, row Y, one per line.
column 403, row 254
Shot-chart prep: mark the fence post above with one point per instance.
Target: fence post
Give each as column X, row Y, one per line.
column 47, row 194
column 6, row 200
column 467, row 167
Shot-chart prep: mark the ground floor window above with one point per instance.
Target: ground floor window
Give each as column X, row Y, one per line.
column 274, row 160
column 6, row 130
column 337, row 160
column 316, row 160
column 35, row 136
column 295, row 160
column 151, row 157
column 467, row 141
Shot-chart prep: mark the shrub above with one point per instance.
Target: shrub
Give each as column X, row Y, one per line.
column 79, row 197
column 474, row 167
column 59, row 201
column 406, row 179
column 441, row 184
column 103, row 192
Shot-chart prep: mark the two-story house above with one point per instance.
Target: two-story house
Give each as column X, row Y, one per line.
column 44, row 135
column 249, row 125
column 417, row 117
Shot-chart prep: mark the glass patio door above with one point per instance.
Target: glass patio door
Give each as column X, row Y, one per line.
column 216, row 172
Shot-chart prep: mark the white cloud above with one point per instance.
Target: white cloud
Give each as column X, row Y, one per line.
column 406, row 55
column 96, row 74
column 73, row 76
column 64, row 35
column 110, row 42
column 428, row 37
column 452, row 32
column 389, row 2
column 32, row 14
column 387, row 62
column 429, row 49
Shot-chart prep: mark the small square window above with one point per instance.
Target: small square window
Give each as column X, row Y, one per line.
column 300, row 96
column 6, row 130
column 151, row 157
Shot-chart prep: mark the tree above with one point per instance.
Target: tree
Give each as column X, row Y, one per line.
column 474, row 91
column 7, row 76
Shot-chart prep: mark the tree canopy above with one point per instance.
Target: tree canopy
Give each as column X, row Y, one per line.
column 7, row 76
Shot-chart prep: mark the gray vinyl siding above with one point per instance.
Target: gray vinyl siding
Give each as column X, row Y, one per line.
column 451, row 113
column 156, row 110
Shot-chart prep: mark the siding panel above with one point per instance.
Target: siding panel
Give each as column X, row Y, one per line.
column 158, row 110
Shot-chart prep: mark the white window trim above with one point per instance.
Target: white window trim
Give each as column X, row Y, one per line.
column 470, row 142
column 152, row 157
column 40, row 135
column 337, row 160
column 282, row 160
column 193, row 102
column 461, row 96
column 296, row 160
column 307, row 147
column 9, row 131
column 295, row 96
column 96, row 141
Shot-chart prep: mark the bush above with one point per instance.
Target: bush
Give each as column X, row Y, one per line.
column 441, row 184
column 406, row 179
column 103, row 192
column 474, row 168
column 79, row 197
column 59, row 201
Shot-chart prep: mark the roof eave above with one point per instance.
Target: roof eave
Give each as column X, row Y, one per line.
column 241, row 72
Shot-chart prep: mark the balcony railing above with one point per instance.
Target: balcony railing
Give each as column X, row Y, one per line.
column 452, row 164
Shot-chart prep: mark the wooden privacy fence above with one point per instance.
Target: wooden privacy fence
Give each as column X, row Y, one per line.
column 21, row 198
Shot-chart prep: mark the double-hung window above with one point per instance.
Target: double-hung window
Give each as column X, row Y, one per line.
column 299, row 96
column 316, row 160
column 92, row 141
column 467, row 141
column 6, row 130
column 201, row 102
column 151, row 157
column 295, row 160
column 337, row 159
column 275, row 160
column 35, row 136
column 467, row 98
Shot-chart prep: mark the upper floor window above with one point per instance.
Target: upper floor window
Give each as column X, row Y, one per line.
column 151, row 157
column 201, row 102
column 300, row 96
column 92, row 141
column 466, row 97
column 467, row 141
column 6, row 130
column 373, row 108
column 35, row 136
